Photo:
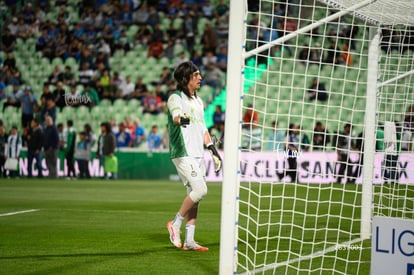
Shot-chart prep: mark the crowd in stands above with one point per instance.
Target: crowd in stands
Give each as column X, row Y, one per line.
column 93, row 31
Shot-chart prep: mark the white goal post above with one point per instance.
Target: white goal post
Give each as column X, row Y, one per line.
column 314, row 213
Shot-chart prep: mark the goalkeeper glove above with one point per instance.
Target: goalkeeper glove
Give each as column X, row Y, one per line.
column 215, row 156
column 184, row 120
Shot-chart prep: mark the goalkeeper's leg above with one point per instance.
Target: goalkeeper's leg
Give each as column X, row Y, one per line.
column 192, row 173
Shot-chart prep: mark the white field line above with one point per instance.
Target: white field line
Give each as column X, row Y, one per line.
column 18, row 212
column 303, row 258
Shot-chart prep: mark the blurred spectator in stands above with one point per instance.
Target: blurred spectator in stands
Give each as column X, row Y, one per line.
column 126, row 14
column 154, row 139
column 13, row 25
column 73, row 97
column 221, row 8
column 51, row 146
column 74, row 49
column 106, row 40
column 29, row 104
column 182, row 57
column 28, row 14
column 209, row 57
column 196, row 59
column 320, row 137
column 59, row 95
column 317, row 90
column 276, row 138
column 129, row 126
column 78, row 30
column 218, row 115
column 153, row 16
column 142, row 36
column 3, row 94
column 350, row 32
column 8, row 41
column 3, row 141
column 190, row 30
column 250, row 116
column 104, row 84
column 128, row 88
column 116, row 81
column 55, row 76
column 141, row 90
column 159, row 91
column 86, row 57
column 158, row 33
column 222, row 59
column 85, row 74
column 124, row 42
column 169, row 51
column 306, row 55
column 213, row 77
column 13, row 76
column 61, row 50
column 22, row 30
column 68, row 77
column 345, row 57
column 171, row 87
column 92, row 98
column 222, row 26
column 83, row 155
column 13, row 149
column 34, row 148
column 208, row 10
column 209, row 39
column 91, row 34
column 140, row 133
column 13, row 99
column 123, row 138
column 165, row 76
column 142, row 14
column 332, row 55
column 155, row 49
column 152, row 104
column 10, row 61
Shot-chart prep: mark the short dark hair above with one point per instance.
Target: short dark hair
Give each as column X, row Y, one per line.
column 70, row 122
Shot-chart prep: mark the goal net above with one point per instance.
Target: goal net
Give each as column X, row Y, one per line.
column 321, row 103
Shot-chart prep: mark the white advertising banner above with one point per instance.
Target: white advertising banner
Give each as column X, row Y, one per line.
column 392, row 246
column 313, row 167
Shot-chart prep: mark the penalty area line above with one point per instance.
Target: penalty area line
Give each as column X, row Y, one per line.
column 18, row 212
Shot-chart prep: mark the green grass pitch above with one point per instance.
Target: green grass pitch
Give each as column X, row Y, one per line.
column 118, row 227
column 101, row 227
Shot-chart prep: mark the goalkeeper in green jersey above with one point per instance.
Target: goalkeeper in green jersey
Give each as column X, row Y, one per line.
column 188, row 136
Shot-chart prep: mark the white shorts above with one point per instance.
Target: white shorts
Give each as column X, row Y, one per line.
column 192, row 172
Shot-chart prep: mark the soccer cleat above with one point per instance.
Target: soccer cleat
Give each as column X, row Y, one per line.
column 174, row 234
column 194, row 246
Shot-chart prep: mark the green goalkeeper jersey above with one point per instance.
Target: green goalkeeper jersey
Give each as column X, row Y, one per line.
column 188, row 140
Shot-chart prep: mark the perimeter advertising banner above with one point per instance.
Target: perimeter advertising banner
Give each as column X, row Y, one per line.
column 313, row 167
column 392, row 246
